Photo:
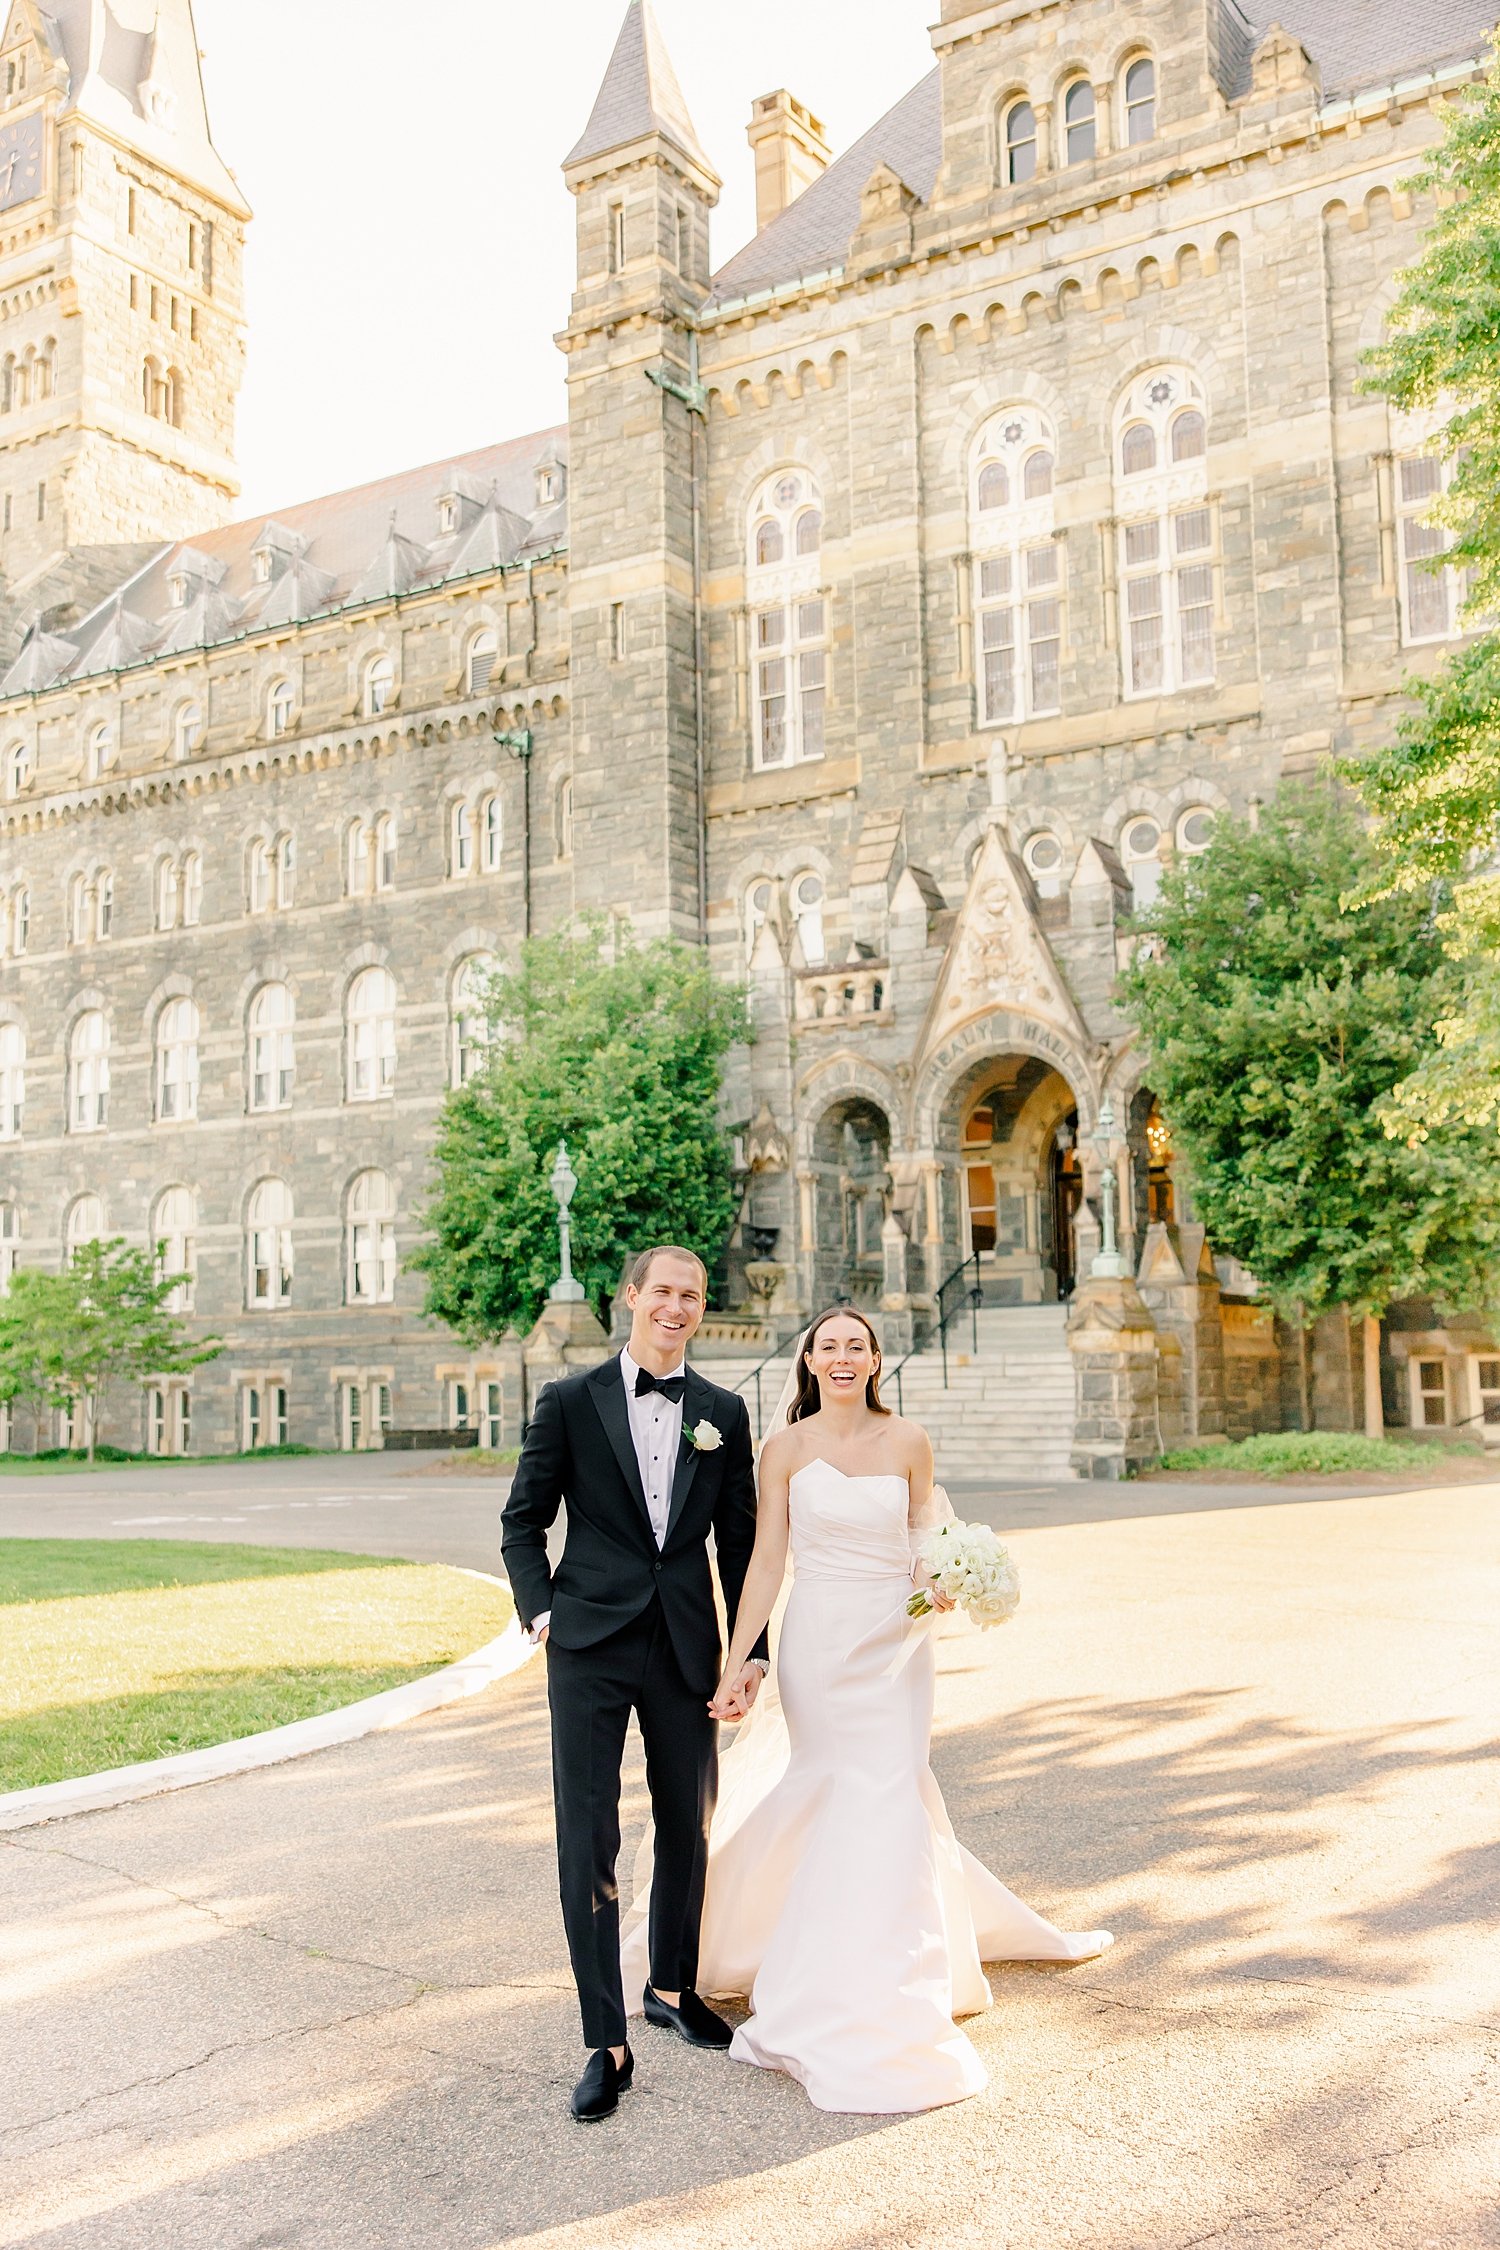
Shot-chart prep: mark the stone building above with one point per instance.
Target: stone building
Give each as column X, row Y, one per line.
column 901, row 597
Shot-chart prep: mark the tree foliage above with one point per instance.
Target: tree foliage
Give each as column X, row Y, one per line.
column 1279, row 1021
column 617, row 1049
column 66, row 1337
column 1436, row 789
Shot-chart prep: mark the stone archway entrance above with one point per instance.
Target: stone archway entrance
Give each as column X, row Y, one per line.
column 1014, row 1119
column 851, row 1187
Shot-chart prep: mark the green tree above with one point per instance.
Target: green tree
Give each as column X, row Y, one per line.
column 66, row 1337
column 1436, row 789
column 1279, row 1020
column 616, row 1049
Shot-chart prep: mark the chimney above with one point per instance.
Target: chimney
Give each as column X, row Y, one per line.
column 790, row 152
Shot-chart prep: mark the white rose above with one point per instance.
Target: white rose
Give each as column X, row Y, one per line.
column 706, row 1438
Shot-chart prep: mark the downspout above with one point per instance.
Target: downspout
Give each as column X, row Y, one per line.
column 692, row 395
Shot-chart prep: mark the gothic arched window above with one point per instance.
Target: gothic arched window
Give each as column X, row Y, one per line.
column 1167, row 533
column 1140, row 102
column 173, row 1231
column 268, row 1246
column 1020, row 144
column 12, row 1080
column 88, row 1073
column 177, row 1062
column 1018, row 586
column 788, row 618
column 272, row 1052
column 1078, row 122
column 471, row 1027
column 370, row 1264
column 372, row 1035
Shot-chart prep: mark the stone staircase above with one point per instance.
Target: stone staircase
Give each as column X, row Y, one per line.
column 1006, row 1412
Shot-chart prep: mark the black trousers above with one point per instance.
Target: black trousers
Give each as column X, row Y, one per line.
column 592, row 1693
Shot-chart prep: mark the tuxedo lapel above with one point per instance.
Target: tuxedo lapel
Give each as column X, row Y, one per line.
column 697, row 1403
column 607, row 1390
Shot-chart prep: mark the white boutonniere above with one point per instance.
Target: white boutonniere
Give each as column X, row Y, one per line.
column 705, row 1438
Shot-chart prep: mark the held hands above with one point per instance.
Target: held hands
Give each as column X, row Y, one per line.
column 735, row 1694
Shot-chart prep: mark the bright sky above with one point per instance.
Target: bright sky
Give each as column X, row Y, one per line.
column 412, row 249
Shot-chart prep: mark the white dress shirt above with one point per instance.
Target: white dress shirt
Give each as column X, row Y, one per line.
column 656, row 1432
column 656, row 1428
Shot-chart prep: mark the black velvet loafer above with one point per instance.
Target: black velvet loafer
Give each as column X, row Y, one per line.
column 692, row 2019
column 598, row 2091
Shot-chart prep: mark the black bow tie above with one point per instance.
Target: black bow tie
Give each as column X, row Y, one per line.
column 670, row 1386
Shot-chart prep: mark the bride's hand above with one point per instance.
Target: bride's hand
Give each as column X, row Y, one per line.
column 728, row 1702
column 921, row 1578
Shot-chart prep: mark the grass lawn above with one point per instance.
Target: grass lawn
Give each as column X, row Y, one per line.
column 116, row 1650
column 1300, row 1453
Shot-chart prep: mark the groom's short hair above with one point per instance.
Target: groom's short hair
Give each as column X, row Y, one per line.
column 640, row 1272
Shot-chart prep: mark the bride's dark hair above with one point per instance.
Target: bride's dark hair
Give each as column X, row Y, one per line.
column 807, row 1399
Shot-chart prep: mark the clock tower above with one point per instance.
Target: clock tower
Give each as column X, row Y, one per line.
column 121, row 311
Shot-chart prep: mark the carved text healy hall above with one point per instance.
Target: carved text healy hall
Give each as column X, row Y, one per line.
column 898, row 600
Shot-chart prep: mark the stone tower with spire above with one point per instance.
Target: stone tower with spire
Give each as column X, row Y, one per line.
column 121, row 313
column 643, row 190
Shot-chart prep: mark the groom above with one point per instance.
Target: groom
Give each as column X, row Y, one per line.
column 650, row 1459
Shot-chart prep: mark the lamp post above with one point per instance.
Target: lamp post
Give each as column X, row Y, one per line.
column 565, row 1290
column 1108, row 1265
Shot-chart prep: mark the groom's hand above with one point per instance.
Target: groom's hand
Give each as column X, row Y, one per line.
column 734, row 1697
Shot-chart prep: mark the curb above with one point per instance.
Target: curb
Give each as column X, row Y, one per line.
column 124, row 1785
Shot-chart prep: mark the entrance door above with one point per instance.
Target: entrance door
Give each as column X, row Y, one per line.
column 1067, row 1195
column 980, row 1180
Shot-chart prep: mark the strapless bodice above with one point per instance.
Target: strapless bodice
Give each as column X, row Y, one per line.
column 848, row 1527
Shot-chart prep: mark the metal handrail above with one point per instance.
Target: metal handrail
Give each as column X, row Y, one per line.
column 946, row 1314
column 781, row 1351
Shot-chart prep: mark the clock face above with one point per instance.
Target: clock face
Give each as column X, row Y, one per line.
column 20, row 161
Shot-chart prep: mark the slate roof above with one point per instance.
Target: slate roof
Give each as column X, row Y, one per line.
column 640, row 95
column 114, row 50
column 335, row 552
column 1356, row 43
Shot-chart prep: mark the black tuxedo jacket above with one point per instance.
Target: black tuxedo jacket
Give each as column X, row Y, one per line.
column 578, row 1449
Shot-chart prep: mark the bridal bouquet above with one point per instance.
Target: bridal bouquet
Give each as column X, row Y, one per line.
column 969, row 1563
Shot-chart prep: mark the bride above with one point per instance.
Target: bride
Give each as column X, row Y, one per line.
column 837, row 1894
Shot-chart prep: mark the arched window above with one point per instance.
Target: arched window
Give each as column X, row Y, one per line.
column 1078, row 122
column 380, row 686
column 994, row 486
column 789, row 624
column 807, row 911
column 12, row 1080
column 104, row 903
column 10, row 1244
column 1140, row 102
column 1195, row 830
column 269, row 1246
column 172, row 397
column 385, row 852
column 187, row 729
column 281, row 707
column 484, row 650
column 177, row 1062
column 100, row 753
column 1043, row 857
column 272, row 1054
column 810, row 531
column 192, row 888
column 152, row 399
column 78, row 910
column 174, row 1233
column 168, row 894
column 461, row 842
column 357, row 859
column 1138, row 449
column 1432, row 599
column 284, row 854
column 1140, row 856
column 565, row 819
column 17, row 768
column 471, row 1025
column 8, row 383
column 85, row 1224
column 491, row 835
column 88, row 1102
column 20, row 920
column 371, row 1254
column 1167, row 533
column 1189, row 435
column 45, row 362
column 757, row 907
column 1020, row 143
column 1018, row 563
column 372, row 1035
column 261, row 876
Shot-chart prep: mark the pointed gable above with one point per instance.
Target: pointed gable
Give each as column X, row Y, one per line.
column 491, row 542
column 998, row 956
column 296, row 592
column 639, row 96
column 45, row 658
column 122, row 642
column 400, row 564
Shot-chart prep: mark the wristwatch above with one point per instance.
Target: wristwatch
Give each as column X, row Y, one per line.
column 762, row 1664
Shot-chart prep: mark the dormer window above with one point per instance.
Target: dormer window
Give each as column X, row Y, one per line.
column 448, row 513
column 260, row 566
column 177, row 589
column 548, row 490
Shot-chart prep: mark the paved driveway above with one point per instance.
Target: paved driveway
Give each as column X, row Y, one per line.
column 325, row 2007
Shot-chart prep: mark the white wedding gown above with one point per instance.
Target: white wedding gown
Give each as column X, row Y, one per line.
column 838, row 1896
